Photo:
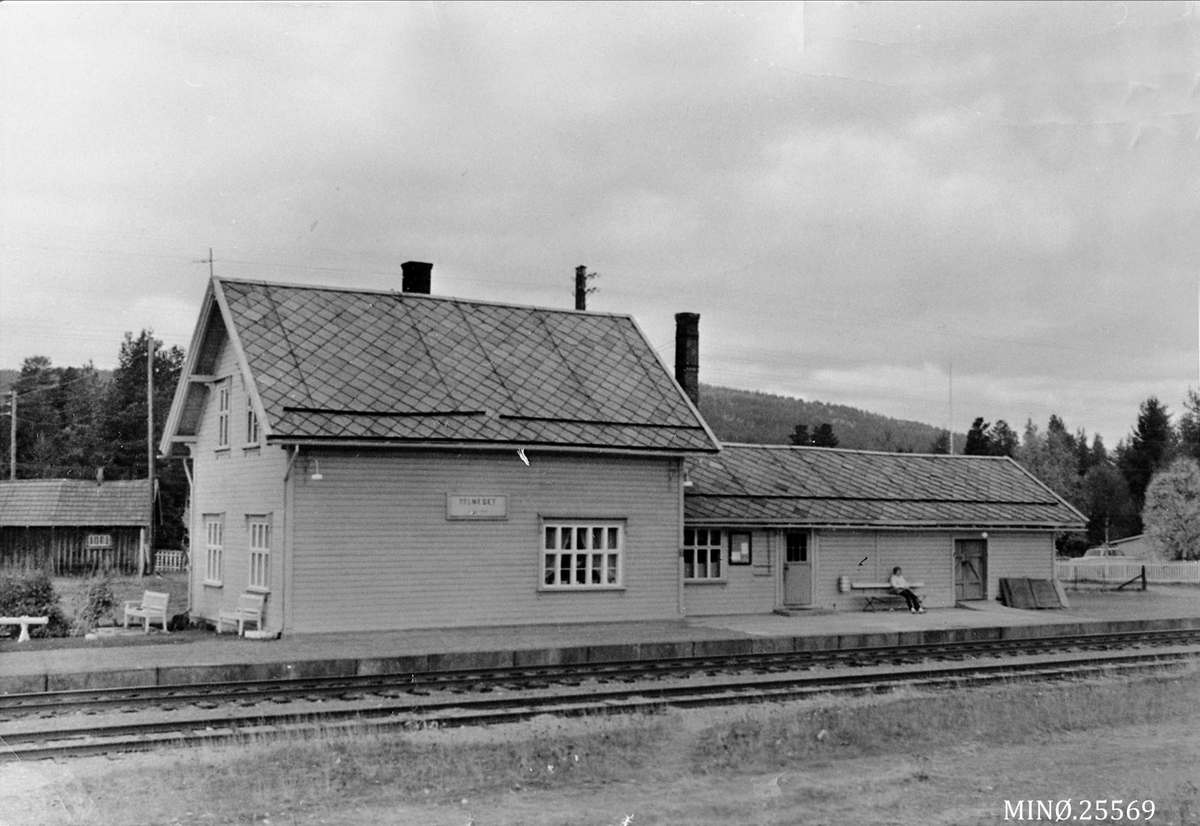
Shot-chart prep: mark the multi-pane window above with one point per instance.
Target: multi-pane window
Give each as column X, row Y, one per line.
column 702, row 552
column 223, row 395
column 797, row 547
column 214, row 546
column 99, row 540
column 260, row 553
column 582, row 554
column 252, row 429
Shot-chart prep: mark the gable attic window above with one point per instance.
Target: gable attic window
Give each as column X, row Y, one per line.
column 223, row 396
column 253, row 431
column 579, row 555
column 702, row 553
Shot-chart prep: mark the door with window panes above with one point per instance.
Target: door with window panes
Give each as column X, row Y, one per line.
column 797, row 570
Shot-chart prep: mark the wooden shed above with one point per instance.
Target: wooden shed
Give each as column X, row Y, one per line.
column 393, row 460
column 69, row 527
column 770, row 527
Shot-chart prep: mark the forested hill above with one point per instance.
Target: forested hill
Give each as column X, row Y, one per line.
column 761, row 418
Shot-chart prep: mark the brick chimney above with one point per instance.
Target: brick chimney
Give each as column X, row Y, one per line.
column 687, row 354
column 415, row 277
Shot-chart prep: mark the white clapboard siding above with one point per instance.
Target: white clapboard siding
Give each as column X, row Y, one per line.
column 745, row 589
column 1018, row 554
column 870, row 556
column 239, row 481
column 373, row 548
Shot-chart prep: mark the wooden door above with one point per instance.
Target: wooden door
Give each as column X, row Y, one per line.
column 970, row 569
column 797, row 571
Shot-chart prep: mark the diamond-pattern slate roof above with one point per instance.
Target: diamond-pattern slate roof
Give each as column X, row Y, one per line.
column 69, row 502
column 772, row 485
column 332, row 364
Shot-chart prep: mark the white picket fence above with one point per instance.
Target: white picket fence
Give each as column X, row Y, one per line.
column 1103, row 570
column 170, row 560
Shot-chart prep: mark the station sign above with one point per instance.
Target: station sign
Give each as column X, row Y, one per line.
column 476, row 506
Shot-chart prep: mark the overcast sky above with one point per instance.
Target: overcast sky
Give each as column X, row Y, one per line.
column 858, row 198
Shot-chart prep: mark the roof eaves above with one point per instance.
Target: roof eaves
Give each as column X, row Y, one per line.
column 235, row 340
column 463, row 444
column 170, row 429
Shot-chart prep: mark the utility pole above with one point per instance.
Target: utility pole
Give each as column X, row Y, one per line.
column 12, row 442
column 582, row 290
column 150, row 442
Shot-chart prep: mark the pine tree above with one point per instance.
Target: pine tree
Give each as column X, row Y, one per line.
column 1149, row 449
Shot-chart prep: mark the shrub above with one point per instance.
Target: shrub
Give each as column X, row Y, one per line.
column 32, row 594
column 95, row 602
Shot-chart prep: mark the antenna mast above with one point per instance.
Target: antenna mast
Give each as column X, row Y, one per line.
column 950, row 424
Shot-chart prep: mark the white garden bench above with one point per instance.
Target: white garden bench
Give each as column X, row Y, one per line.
column 250, row 608
column 24, row 622
column 152, row 608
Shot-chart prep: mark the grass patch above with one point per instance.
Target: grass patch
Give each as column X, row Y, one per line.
column 317, row 777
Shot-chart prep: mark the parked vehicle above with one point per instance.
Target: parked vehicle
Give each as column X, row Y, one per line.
column 1104, row 552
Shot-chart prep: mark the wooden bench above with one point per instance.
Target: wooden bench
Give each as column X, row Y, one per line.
column 24, row 622
column 250, row 608
column 152, row 608
column 879, row 594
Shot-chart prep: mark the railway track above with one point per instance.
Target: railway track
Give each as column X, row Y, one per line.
column 58, row 724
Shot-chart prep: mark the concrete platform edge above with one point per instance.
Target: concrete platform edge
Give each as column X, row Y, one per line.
column 134, row 676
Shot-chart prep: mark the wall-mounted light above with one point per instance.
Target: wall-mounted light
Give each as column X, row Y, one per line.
column 317, row 477
column 984, row 534
column 687, row 479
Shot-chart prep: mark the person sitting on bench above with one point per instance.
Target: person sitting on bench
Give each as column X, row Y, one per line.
column 901, row 588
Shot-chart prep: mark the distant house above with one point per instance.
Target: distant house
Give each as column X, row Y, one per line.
column 69, row 526
column 1131, row 547
column 392, row 460
column 770, row 526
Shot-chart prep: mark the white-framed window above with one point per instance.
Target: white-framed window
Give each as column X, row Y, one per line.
column 99, row 540
column 223, row 396
column 582, row 554
column 259, row 529
column 214, row 548
column 703, row 550
column 253, row 431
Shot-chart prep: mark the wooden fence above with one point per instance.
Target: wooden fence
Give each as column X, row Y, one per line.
column 1103, row 570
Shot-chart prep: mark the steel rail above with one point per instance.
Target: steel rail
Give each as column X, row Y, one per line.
column 72, row 738
column 274, row 690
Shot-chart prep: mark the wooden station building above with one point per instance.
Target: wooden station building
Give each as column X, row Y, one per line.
column 375, row 460
column 770, row 526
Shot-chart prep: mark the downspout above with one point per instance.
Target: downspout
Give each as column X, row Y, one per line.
column 289, row 499
column 679, row 544
column 191, row 531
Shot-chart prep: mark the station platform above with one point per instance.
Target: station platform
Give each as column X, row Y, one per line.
column 125, row 658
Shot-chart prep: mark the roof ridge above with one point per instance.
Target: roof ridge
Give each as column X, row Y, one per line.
column 421, row 296
column 861, row 450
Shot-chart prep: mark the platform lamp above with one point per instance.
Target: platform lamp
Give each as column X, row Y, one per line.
column 317, row 477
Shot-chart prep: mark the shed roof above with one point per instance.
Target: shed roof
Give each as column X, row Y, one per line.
column 69, row 502
column 338, row 365
column 809, row 486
